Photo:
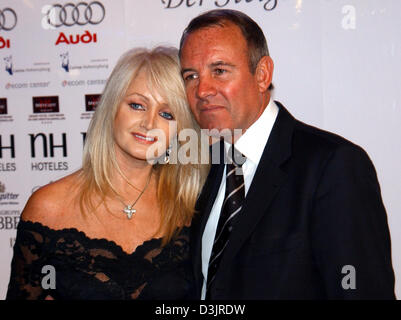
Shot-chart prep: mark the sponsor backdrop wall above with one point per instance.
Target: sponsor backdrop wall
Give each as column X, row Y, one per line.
column 337, row 66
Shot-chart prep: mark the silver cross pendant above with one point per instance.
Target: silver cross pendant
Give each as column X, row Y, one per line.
column 128, row 210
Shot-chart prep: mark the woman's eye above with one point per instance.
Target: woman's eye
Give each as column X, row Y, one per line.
column 167, row 115
column 136, row 106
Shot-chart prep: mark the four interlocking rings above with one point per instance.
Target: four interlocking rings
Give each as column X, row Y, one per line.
column 8, row 22
column 57, row 15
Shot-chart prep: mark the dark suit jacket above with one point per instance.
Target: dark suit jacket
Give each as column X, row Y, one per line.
column 314, row 206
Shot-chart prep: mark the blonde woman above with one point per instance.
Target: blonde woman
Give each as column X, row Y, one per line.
column 118, row 228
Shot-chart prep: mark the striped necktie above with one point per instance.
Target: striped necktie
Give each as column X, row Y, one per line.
column 232, row 205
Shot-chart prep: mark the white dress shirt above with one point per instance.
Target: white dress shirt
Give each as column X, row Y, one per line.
column 251, row 144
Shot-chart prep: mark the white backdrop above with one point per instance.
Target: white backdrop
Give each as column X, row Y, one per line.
column 337, row 66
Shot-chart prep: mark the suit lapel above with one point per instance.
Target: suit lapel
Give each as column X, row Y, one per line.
column 265, row 184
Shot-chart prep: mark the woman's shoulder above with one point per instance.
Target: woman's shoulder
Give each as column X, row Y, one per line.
column 50, row 203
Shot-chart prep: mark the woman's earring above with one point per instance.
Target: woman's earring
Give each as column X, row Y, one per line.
column 167, row 156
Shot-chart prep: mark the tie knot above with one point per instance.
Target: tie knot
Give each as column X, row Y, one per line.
column 235, row 157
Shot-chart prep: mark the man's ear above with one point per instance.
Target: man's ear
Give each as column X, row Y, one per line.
column 264, row 73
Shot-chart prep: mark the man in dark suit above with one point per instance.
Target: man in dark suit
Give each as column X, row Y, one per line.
column 301, row 217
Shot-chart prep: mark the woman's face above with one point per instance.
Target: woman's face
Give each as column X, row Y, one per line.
column 140, row 113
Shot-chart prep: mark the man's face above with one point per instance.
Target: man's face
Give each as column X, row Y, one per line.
column 221, row 90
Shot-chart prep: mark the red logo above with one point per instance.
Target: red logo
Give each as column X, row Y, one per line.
column 45, row 104
column 3, row 106
column 86, row 37
column 4, row 43
column 91, row 101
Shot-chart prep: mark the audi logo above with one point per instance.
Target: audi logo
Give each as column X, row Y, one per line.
column 71, row 14
column 8, row 19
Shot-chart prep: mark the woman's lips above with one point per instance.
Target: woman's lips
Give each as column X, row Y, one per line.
column 144, row 138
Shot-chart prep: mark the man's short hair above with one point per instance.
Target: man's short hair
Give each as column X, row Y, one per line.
column 253, row 34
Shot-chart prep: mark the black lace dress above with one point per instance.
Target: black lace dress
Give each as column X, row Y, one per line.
column 97, row 269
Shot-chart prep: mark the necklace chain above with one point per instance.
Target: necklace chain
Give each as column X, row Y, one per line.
column 129, row 209
column 127, row 181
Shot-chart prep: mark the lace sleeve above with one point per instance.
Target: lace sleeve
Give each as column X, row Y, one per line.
column 26, row 266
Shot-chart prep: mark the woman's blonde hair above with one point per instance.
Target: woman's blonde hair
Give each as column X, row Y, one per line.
column 178, row 185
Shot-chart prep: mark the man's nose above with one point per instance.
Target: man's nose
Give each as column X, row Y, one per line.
column 206, row 87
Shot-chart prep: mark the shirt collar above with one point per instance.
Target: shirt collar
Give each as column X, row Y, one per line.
column 252, row 143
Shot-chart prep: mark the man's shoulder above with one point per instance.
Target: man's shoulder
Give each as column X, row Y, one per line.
column 308, row 139
column 311, row 134
column 307, row 136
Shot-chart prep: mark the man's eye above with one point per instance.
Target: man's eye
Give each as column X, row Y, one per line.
column 190, row 76
column 136, row 106
column 219, row 71
column 167, row 115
